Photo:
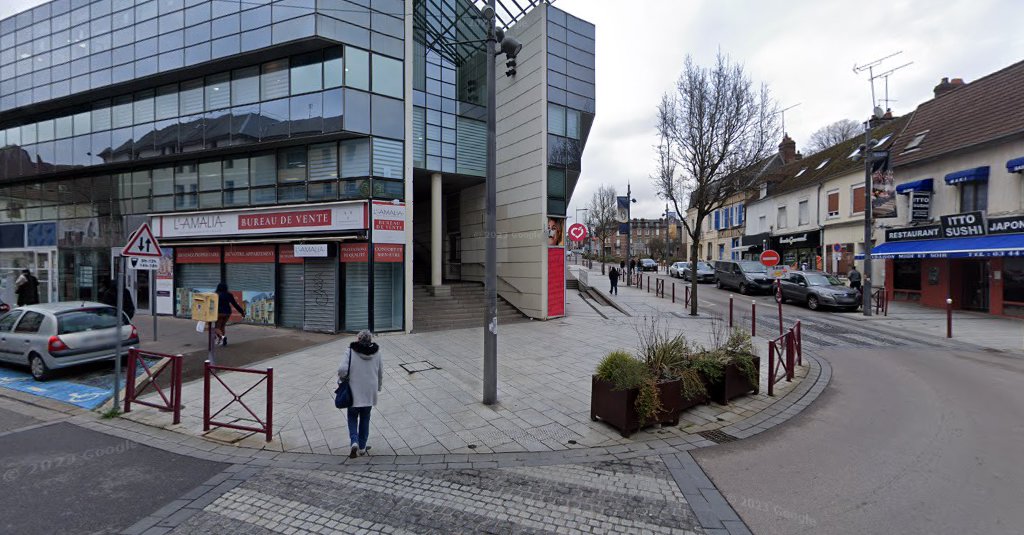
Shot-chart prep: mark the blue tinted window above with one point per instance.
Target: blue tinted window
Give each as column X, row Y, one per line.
column 357, row 68
column 357, row 111
column 306, row 114
column 274, row 119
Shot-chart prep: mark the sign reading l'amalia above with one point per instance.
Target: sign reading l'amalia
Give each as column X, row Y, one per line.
column 276, row 220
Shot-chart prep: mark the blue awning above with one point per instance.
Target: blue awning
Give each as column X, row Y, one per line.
column 975, row 246
column 925, row 184
column 968, row 175
column 1015, row 165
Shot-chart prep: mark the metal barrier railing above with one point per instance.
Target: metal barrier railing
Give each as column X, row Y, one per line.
column 170, row 394
column 881, row 301
column 784, row 354
column 266, row 423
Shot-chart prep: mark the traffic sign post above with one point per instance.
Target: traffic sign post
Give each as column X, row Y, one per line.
column 770, row 258
column 143, row 252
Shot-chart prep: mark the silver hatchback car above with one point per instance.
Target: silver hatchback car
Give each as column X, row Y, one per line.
column 57, row 335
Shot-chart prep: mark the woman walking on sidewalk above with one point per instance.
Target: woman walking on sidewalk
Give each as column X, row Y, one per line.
column 364, row 369
column 225, row 300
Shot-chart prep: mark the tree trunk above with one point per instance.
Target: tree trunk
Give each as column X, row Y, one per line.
column 694, row 253
column 603, row 256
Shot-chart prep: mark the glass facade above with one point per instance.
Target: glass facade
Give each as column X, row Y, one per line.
column 570, row 103
column 229, row 129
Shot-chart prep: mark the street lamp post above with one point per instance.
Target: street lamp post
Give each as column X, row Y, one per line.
column 629, row 228
column 869, row 155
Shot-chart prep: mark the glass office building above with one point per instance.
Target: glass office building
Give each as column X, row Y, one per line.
column 271, row 144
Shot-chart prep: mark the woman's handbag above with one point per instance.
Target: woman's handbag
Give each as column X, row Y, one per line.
column 343, row 395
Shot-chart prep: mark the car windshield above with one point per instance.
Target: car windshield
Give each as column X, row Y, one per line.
column 704, row 266
column 817, row 279
column 749, row 266
column 87, row 319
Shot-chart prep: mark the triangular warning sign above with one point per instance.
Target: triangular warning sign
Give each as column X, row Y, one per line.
column 142, row 243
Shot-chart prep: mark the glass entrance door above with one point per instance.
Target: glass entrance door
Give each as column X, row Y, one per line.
column 976, row 287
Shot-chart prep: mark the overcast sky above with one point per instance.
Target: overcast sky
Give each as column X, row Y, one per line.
column 803, row 49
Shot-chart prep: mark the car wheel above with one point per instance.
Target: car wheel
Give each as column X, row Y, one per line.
column 718, row 284
column 812, row 302
column 38, row 368
column 743, row 288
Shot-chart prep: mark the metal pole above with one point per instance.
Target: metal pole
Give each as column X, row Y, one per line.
column 866, row 285
column 119, row 269
column 730, row 311
column 753, row 318
column 629, row 228
column 949, row 318
column 152, row 299
column 491, row 244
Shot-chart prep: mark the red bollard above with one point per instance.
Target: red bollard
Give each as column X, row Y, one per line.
column 771, row 368
column 673, row 293
column 949, row 318
column 270, row 404
column 753, row 318
column 206, row 396
column 730, row 311
column 648, row 284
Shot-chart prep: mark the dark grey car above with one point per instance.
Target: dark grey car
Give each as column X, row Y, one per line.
column 747, row 276
column 817, row 289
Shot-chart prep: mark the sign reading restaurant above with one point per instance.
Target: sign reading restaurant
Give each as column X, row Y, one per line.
column 959, row 225
column 275, row 220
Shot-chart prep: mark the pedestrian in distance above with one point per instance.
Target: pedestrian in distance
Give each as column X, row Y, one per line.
column 622, row 269
column 225, row 300
column 632, row 265
column 108, row 296
column 613, row 276
column 364, row 370
column 854, row 277
column 27, row 288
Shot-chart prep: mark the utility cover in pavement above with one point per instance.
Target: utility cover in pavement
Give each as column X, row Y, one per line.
column 421, row 366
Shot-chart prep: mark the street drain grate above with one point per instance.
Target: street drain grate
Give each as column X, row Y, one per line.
column 421, row 366
column 719, row 437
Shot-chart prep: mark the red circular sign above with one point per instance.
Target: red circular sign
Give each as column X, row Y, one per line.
column 770, row 258
column 577, row 232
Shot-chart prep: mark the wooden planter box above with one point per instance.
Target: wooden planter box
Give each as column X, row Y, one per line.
column 733, row 384
column 617, row 408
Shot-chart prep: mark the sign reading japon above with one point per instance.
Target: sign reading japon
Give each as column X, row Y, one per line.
column 1006, row 225
column 277, row 220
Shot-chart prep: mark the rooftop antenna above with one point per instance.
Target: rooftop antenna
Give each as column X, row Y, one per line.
column 783, row 113
column 885, row 75
column 870, row 67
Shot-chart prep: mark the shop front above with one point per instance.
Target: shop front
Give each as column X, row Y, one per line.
column 977, row 263
column 304, row 267
column 799, row 250
column 31, row 246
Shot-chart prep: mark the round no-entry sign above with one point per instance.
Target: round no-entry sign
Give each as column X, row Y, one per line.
column 770, row 258
column 577, row 232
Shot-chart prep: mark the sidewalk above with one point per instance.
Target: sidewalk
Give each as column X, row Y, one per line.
column 430, row 402
column 998, row 333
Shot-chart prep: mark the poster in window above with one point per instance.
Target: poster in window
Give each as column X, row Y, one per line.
column 883, row 190
column 555, row 234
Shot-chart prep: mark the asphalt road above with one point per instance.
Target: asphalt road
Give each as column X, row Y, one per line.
column 914, row 441
column 63, row 479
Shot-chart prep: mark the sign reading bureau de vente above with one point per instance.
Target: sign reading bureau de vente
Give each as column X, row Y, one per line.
column 277, row 220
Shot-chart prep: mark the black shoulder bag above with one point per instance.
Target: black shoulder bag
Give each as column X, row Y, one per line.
column 343, row 395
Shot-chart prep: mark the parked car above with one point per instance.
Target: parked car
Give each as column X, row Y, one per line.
column 746, row 276
column 817, row 289
column 648, row 264
column 51, row 336
column 676, row 269
column 705, row 271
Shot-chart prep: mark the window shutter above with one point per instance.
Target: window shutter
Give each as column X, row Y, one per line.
column 833, row 202
column 858, row 199
column 718, row 214
column 739, row 215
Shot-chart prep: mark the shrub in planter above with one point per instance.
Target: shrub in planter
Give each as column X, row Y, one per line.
column 627, row 396
column 732, row 370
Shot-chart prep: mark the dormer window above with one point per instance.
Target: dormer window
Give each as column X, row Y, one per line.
column 822, row 164
column 800, row 172
column 883, row 140
column 855, row 154
column 916, row 142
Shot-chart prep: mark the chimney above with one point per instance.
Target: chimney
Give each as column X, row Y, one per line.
column 947, row 85
column 787, row 149
column 799, row 156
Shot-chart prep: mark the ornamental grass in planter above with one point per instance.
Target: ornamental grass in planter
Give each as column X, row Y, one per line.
column 731, row 370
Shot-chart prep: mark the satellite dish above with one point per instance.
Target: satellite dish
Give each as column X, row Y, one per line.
column 879, row 112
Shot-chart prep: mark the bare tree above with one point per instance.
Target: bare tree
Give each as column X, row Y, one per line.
column 713, row 128
column 601, row 218
column 833, row 134
column 659, row 248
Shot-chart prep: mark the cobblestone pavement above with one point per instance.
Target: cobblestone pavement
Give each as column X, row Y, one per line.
column 634, row 496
